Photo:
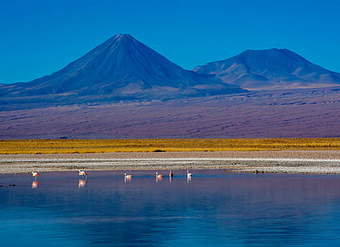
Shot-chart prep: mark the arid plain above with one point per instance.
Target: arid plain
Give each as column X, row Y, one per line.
column 278, row 113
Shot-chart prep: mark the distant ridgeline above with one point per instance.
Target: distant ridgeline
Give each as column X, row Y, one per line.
column 124, row 69
column 270, row 69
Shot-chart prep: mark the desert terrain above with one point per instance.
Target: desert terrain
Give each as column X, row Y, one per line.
column 266, row 114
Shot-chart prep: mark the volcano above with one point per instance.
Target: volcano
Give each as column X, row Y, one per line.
column 121, row 68
column 270, row 68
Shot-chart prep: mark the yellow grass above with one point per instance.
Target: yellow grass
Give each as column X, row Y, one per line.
column 166, row 145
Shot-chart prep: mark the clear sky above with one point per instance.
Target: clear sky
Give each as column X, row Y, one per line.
column 39, row 37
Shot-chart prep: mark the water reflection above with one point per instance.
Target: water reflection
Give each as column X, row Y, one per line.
column 82, row 183
column 35, row 184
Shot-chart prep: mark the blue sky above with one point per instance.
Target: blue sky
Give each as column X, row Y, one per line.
column 39, row 37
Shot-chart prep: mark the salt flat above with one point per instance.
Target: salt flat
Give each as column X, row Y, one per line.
column 323, row 161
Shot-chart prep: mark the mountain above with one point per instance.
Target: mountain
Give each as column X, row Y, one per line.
column 120, row 68
column 271, row 68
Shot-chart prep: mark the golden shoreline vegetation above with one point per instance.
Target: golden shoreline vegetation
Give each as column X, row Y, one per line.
column 62, row 146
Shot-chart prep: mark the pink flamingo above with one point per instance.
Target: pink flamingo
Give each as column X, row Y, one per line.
column 82, row 173
column 127, row 177
column 159, row 176
column 189, row 174
column 35, row 175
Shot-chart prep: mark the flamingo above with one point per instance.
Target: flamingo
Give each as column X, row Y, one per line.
column 35, row 175
column 158, row 176
column 127, row 177
column 82, row 173
column 171, row 176
column 189, row 174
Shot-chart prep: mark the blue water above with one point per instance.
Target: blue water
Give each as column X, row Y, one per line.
column 215, row 209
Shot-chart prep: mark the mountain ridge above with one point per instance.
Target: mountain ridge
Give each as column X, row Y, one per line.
column 270, row 68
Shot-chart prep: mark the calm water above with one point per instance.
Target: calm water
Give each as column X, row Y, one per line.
column 214, row 209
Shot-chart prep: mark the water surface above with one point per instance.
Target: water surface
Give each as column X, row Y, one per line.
column 216, row 208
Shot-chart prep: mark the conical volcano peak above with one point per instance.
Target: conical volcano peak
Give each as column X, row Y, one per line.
column 123, row 37
column 124, row 68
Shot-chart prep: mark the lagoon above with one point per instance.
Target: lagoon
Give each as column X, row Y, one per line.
column 215, row 208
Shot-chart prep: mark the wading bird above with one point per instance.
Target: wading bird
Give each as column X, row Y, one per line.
column 127, row 177
column 171, row 176
column 158, row 176
column 35, row 175
column 189, row 174
column 82, row 173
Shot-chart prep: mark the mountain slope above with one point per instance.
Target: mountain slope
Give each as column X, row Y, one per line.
column 271, row 68
column 122, row 68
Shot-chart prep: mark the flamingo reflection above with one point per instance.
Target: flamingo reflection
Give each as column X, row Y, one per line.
column 82, row 183
column 35, row 184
